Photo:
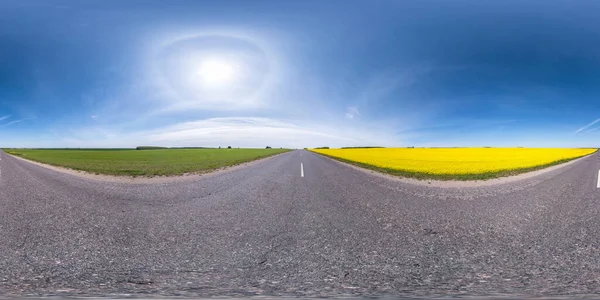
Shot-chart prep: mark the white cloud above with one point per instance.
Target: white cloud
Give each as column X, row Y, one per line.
column 93, row 117
column 382, row 85
column 5, row 117
column 352, row 112
column 593, row 129
column 12, row 122
column 587, row 126
column 233, row 131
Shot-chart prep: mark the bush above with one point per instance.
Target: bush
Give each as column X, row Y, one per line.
column 268, row 147
column 228, row 147
column 149, row 148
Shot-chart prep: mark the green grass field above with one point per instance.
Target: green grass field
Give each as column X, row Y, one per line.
column 129, row 162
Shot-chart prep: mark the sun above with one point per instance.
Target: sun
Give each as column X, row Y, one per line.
column 216, row 72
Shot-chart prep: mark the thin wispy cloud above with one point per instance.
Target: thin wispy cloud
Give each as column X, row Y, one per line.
column 593, row 129
column 201, row 77
column 253, row 132
column 587, row 126
column 12, row 122
column 471, row 124
column 352, row 112
column 381, row 85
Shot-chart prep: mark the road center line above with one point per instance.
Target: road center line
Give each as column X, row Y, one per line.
column 302, row 171
column 598, row 183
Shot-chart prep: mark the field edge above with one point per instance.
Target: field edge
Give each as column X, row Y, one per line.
column 83, row 171
column 452, row 177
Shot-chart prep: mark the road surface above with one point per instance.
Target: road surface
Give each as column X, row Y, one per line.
column 297, row 224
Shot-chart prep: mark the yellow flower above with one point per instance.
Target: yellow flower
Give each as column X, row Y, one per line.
column 456, row 161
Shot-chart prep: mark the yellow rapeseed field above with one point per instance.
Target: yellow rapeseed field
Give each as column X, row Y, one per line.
column 456, row 161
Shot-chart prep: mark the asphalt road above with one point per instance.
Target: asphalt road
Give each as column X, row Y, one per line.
column 265, row 229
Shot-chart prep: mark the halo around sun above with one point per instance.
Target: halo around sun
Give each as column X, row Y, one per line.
column 216, row 72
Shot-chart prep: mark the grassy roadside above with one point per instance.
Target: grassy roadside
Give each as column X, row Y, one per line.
column 129, row 162
column 447, row 177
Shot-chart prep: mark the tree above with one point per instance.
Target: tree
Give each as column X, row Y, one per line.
column 268, row 147
column 228, row 147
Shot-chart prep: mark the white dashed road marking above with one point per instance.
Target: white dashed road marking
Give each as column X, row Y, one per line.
column 302, row 171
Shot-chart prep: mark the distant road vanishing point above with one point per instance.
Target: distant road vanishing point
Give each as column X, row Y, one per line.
column 297, row 224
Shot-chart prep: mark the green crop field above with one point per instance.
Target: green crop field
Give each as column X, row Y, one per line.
column 131, row 162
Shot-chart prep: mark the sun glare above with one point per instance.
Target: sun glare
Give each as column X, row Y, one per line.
column 216, row 72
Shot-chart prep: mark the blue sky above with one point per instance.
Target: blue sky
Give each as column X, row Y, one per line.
column 299, row 73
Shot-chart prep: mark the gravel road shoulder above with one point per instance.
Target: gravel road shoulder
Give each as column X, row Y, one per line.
column 144, row 179
column 463, row 183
